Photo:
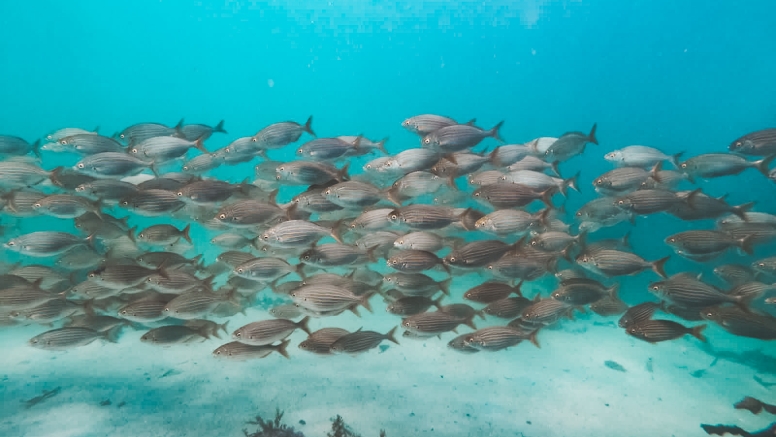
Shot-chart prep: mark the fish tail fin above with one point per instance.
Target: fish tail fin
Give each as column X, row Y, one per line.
column 591, row 136
column 675, row 159
column 494, row 131
column 185, row 233
column 762, row 165
column 220, row 127
column 90, row 240
column 199, row 144
column 517, row 288
column 570, row 183
column 493, row 157
column 445, row 286
column 303, row 324
column 36, row 148
column 342, row 174
column 300, row 271
column 582, row 239
column 741, row 210
column 746, row 244
column 450, row 157
column 308, row 126
column 534, row 340
column 291, row 211
column 470, row 323
column 614, row 291
column 655, row 172
column 112, row 334
column 451, row 181
column 281, row 349
column 335, row 231
column 365, row 302
column 131, row 234
column 462, row 217
column 381, row 145
column 438, row 302
column 659, row 266
column 547, row 197
column 357, row 142
column 625, row 240
column 390, row 335
column 697, row 332
column 555, row 169
column 392, row 194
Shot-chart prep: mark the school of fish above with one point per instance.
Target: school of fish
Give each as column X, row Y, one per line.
column 391, row 237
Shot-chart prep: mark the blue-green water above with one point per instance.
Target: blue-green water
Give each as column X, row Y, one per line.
column 679, row 77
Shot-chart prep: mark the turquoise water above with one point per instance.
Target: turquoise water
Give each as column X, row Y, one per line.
column 679, row 77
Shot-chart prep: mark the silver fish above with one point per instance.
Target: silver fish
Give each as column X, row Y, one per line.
column 459, row 137
column 46, row 243
column 714, row 165
column 759, row 143
column 240, row 352
column 361, row 341
column 70, row 337
column 112, row 164
column 569, row 145
column 269, row 331
column 281, row 134
column 640, row 156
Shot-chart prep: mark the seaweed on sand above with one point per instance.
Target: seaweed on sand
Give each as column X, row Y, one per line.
column 340, row 429
column 272, row 428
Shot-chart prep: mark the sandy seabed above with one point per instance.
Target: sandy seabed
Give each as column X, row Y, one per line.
column 563, row 388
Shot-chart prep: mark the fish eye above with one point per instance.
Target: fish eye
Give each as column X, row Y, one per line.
column 738, row 143
column 80, row 165
column 369, row 166
column 124, row 203
column 179, row 193
column 239, row 270
column 452, row 259
column 222, row 216
column 655, row 288
column 37, row 205
column 490, row 267
column 134, row 150
column 11, row 243
column 683, row 165
column 265, row 236
column 427, row 141
column 394, row 217
column 237, row 334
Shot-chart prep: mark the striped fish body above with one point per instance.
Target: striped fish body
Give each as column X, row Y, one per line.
column 65, row 206
column 609, row 306
column 264, row 269
column 506, row 222
column 153, row 202
column 759, row 143
column 207, row 191
column 655, row 331
column 107, row 189
column 268, row 331
column 413, row 261
column 459, row 344
column 713, row 165
column 477, row 254
column 739, row 322
column 248, row 213
column 638, row 314
column 569, row 145
column 111, row 164
column 424, row 124
column 140, row 132
column 334, row 255
column 174, row 281
column 361, row 341
column 353, row 194
column 202, row 163
column 67, row 338
column 90, row 144
column 458, row 137
column 701, row 242
column 735, row 274
column 49, row 312
column 519, row 265
column 638, row 156
column 411, row 160
column 144, row 311
column 620, row 181
column 644, row 202
column 281, row 134
column 10, row 145
column 45, row 243
column 237, row 351
column 326, row 148
column 508, row 307
column 581, row 291
column 22, row 297
column 320, row 341
column 410, row 305
column 420, row 240
column 121, row 276
column 192, row 132
column 309, row 173
column 690, row 292
column 423, row 217
column 415, row 284
column 494, row 338
column 490, row 291
column 432, row 323
column 373, row 220
column 506, row 195
column 325, row 297
column 20, row 174
column 611, row 262
column 295, row 233
column 174, row 334
column 546, row 311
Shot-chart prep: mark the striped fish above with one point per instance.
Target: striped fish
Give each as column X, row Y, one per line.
column 687, row 291
column 142, row 131
column 268, row 331
column 424, row 124
column 240, row 351
column 508, row 307
column 111, row 164
column 735, row 274
column 424, row 217
column 153, row 202
column 743, row 323
column 173, row 334
column 249, row 213
column 505, row 222
column 506, row 195
column 700, row 242
column 459, row 137
column 478, row 253
column 609, row 262
column 546, row 311
column 459, row 344
column 195, row 304
column 70, row 337
column 265, row 269
column 417, row 284
column 144, row 310
column 639, row 313
column 298, row 233
column 645, row 202
column 320, row 341
column 491, row 291
column 326, row 298
column 413, row 261
column 90, row 144
column 192, row 132
column 654, row 331
column 495, row 338
column 281, row 134
column 46, row 243
column 434, row 323
column 759, row 143
column 361, row 341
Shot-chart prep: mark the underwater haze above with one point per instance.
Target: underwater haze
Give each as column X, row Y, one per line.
column 326, row 133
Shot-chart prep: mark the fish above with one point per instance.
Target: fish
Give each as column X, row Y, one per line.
column 434, row 323
column 638, row 313
column 507, row 195
column 459, row 344
column 570, row 144
column 477, row 254
column 765, row 265
column 508, row 307
column 322, row 297
column 71, row 337
column 11, row 145
column 698, row 242
column 546, row 311
column 237, row 351
column 654, row 331
column 741, row 322
column 20, row 174
column 495, row 338
column 413, row 261
column 686, row 290
column 735, row 274
column 505, row 222
column 644, row 202
column 265, row 269
column 46, row 243
column 88, row 144
column 142, row 131
column 361, row 341
column 459, row 137
column 192, row 132
column 758, row 143
column 755, row 406
column 144, row 310
column 424, row 124
column 320, row 341
column 164, row 235
column 583, row 291
column 699, row 206
column 609, row 262
column 492, row 291
column 425, row 217
column 281, row 134
column 267, row 332
column 640, row 156
column 712, row 165
column 310, row 173
column 298, row 233
column 624, row 180
column 173, row 334
column 112, row 165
